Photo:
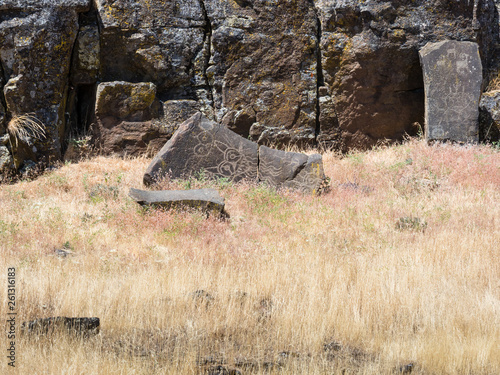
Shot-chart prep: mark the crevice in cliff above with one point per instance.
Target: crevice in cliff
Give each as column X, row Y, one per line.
column 3, row 80
column 208, row 54
column 320, row 81
column 80, row 97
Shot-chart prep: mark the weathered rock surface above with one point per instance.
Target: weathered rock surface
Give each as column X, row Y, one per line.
column 78, row 5
column 35, row 54
column 80, row 326
column 373, row 85
column 322, row 72
column 207, row 200
column 263, row 68
column 5, row 158
column 292, row 170
column 203, row 145
column 86, row 56
column 161, row 42
column 123, row 117
column 489, row 116
column 452, row 79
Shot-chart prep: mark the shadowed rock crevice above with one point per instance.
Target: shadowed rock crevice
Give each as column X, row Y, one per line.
column 208, row 46
column 83, row 77
column 320, row 80
column 3, row 104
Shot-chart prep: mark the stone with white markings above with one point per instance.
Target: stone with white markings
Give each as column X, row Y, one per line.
column 293, row 170
column 201, row 145
column 452, row 80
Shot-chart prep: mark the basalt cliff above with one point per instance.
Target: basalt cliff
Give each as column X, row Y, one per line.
column 331, row 73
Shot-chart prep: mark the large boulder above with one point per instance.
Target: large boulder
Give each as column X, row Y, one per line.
column 123, row 117
column 201, row 145
column 291, row 170
column 129, row 118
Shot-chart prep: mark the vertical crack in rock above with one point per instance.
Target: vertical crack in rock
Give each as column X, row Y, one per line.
column 3, row 81
column 71, row 100
column 319, row 77
column 208, row 41
column 258, row 164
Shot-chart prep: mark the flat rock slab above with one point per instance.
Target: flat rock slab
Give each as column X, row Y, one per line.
column 201, row 145
column 81, row 326
column 452, row 80
column 207, row 200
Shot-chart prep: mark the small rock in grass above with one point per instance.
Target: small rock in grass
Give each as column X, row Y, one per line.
column 406, row 369
column 411, row 223
column 221, row 370
column 79, row 326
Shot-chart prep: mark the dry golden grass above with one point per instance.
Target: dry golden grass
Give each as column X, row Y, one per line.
column 22, row 126
column 286, row 273
column 494, row 82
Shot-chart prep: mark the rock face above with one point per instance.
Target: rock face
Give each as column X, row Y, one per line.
column 369, row 55
column 123, row 117
column 452, row 78
column 316, row 72
column 35, row 55
column 207, row 200
column 203, row 146
column 263, row 68
column 489, row 116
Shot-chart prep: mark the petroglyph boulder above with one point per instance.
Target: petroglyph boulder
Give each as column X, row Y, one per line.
column 452, row 80
column 207, row 200
column 290, row 170
column 201, row 145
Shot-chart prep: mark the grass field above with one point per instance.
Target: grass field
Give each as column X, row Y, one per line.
column 399, row 263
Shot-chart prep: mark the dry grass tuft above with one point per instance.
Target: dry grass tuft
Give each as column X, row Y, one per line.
column 290, row 284
column 24, row 126
column 494, row 83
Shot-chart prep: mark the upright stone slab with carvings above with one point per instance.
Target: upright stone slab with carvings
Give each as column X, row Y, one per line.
column 452, row 79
